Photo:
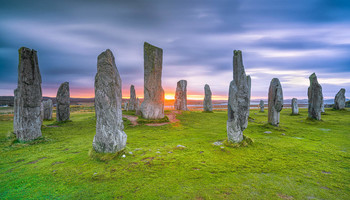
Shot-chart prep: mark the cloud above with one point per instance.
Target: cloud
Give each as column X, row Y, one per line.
column 284, row 39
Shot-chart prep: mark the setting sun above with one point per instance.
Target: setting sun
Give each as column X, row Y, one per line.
column 169, row 97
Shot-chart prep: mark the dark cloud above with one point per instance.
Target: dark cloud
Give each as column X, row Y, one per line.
column 197, row 37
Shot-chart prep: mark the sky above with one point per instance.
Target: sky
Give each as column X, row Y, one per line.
column 287, row 39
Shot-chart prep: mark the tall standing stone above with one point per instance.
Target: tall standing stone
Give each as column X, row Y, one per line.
column 63, row 102
column 275, row 102
column 132, row 100
column 339, row 100
column 207, row 103
column 238, row 102
column 125, row 105
column 47, row 109
column 262, row 106
column 294, row 105
column 315, row 98
column 28, row 95
column 249, row 81
column 181, row 95
column 42, row 112
column 322, row 106
column 110, row 136
column 138, row 107
column 153, row 105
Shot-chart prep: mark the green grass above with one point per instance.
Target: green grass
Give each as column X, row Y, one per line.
column 301, row 159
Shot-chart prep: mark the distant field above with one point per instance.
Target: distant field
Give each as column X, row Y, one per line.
column 301, row 159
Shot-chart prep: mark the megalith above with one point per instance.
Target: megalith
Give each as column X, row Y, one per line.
column 294, row 105
column 339, row 100
column 138, row 107
column 152, row 106
column 63, row 102
column 110, row 136
column 315, row 98
column 28, row 95
column 132, row 100
column 47, row 109
column 207, row 103
column 261, row 106
column 42, row 112
column 238, row 101
column 181, row 95
column 275, row 102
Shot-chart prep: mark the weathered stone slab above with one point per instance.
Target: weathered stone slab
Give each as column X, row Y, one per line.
column 261, row 106
column 315, row 98
column 207, row 103
column 110, row 136
column 275, row 102
column 28, row 95
column 153, row 105
column 295, row 108
column 238, row 102
column 132, row 100
column 339, row 100
column 63, row 103
column 181, row 95
column 138, row 107
column 48, row 106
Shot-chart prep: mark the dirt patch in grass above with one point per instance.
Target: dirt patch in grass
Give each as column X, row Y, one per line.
column 35, row 161
column 171, row 117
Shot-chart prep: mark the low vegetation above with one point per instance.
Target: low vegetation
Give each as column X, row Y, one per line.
column 301, row 159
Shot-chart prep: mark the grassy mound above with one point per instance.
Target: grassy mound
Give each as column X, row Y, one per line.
column 141, row 120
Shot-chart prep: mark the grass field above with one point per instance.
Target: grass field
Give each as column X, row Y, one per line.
column 301, row 159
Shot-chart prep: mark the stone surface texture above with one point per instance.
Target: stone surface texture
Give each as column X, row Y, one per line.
column 110, row 136
column 181, row 95
column 132, row 100
column 294, row 105
column 275, row 102
column 207, row 103
column 339, row 100
column 138, row 107
column 63, row 102
column 238, row 102
column 152, row 106
column 261, row 106
column 48, row 105
column 315, row 98
column 28, row 95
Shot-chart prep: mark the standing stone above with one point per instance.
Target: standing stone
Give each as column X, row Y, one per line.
column 322, row 105
column 63, row 102
column 315, row 98
column 262, row 106
column 47, row 109
column 132, row 100
column 42, row 112
column 294, row 105
column 138, row 107
column 238, row 102
column 152, row 106
column 125, row 105
column 207, row 103
column 249, row 81
column 275, row 102
column 28, row 95
column 110, row 136
column 339, row 100
column 181, row 95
